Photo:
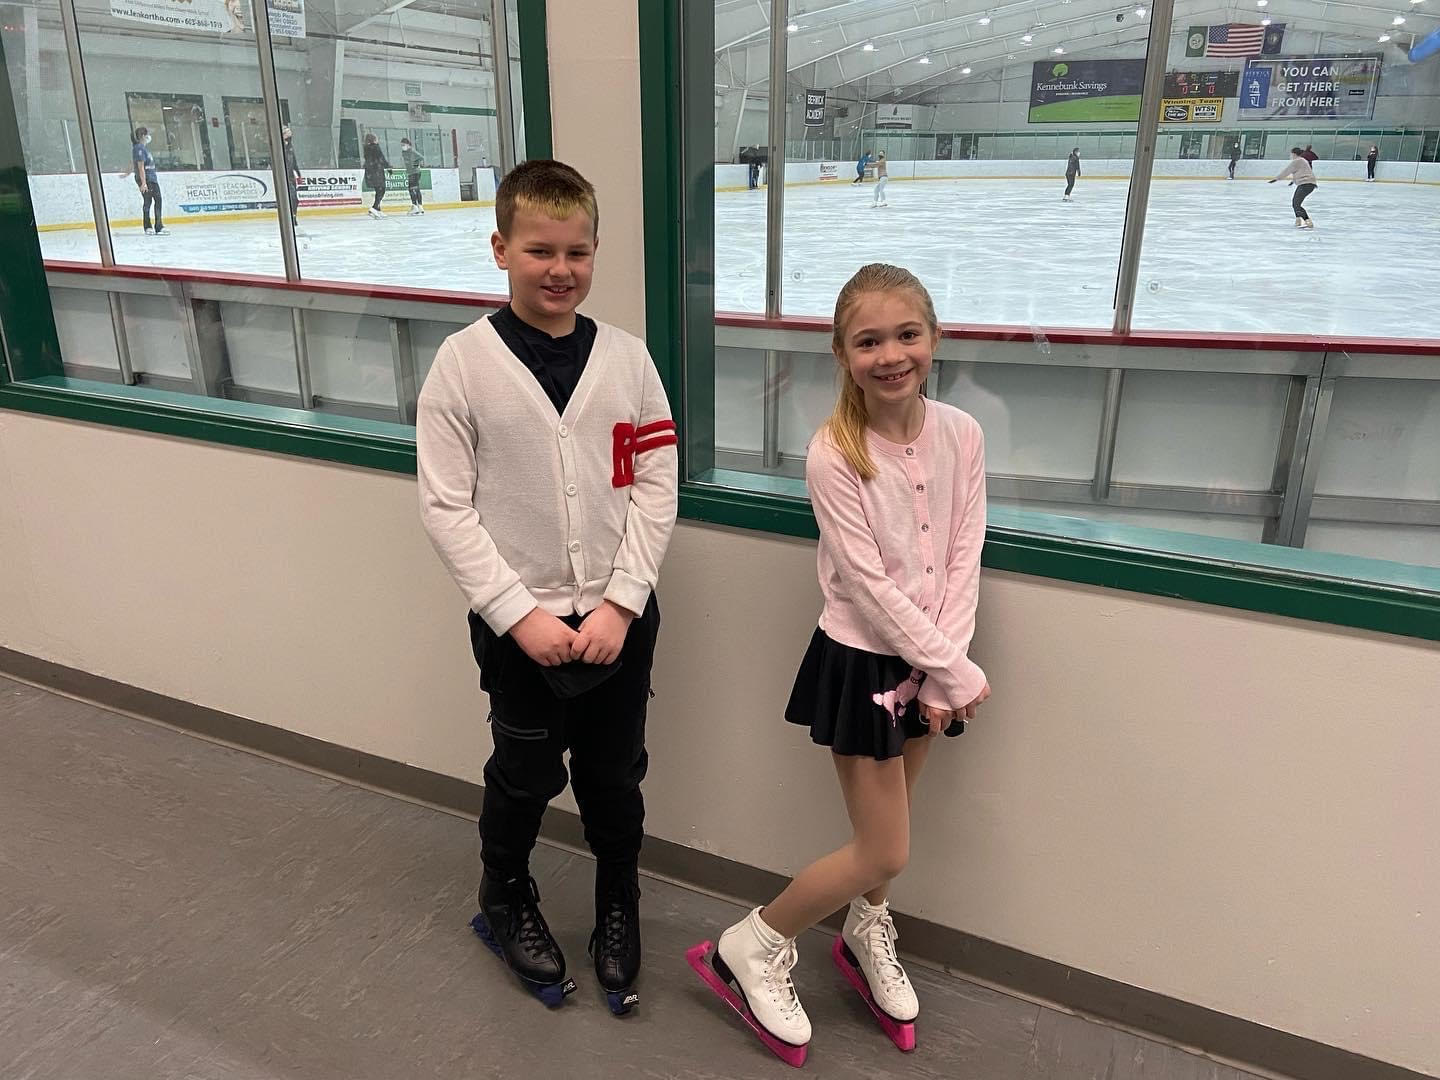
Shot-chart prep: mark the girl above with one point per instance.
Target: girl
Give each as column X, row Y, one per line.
column 898, row 486
column 1303, row 177
column 882, row 176
column 375, row 166
column 146, row 179
column 1072, row 170
column 1370, row 160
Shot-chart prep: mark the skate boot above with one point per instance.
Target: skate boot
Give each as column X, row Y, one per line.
column 750, row 970
column 1309, row 223
column 865, row 955
column 615, row 944
column 415, row 211
column 374, row 213
column 512, row 927
column 1299, row 223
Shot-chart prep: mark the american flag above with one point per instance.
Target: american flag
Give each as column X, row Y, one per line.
column 1236, row 39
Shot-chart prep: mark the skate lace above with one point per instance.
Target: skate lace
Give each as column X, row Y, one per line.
column 781, row 988
column 615, row 916
column 877, row 930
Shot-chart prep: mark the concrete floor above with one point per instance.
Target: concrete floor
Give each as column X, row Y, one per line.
column 175, row 910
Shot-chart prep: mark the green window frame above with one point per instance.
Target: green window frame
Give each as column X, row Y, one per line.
column 676, row 101
column 30, row 342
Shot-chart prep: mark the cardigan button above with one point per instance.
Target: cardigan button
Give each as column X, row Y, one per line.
column 564, row 431
column 571, row 489
column 929, row 569
column 574, row 545
column 925, row 527
column 909, row 451
column 919, row 487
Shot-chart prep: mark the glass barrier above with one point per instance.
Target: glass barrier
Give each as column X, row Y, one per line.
column 1337, row 258
column 1260, row 386
column 184, row 282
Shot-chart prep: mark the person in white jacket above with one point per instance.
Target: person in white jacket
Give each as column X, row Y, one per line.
column 1303, row 177
column 548, row 485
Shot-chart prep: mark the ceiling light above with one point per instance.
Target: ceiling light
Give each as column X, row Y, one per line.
column 984, row 20
column 1140, row 11
column 1027, row 38
column 1059, row 52
column 1265, row 21
column 965, row 71
column 1261, row 3
column 1399, row 20
column 1384, row 38
column 924, row 60
column 869, row 46
column 791, row 28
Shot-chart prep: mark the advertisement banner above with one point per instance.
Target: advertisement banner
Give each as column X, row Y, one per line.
column 894, row 116
column 1209, row 84
column 1341, row 87
column 218, row 193
column 1085, row 91
column 1195, row 110
column 203, row 16
column 829, row 170
column 287, row 17
column 814, row 108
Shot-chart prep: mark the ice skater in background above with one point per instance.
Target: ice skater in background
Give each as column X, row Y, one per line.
column 1234, row 159
column 1303, row 177
column 1370, row 160
column 882, row 177
column 1072, row 170
column 293, row 179
column 897, row 482
column 148, row 182
column 375, row 165
column 413, row 164
column 865, row 159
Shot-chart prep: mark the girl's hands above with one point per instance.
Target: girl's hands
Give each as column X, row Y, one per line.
column 969, row 711
column 938, row 719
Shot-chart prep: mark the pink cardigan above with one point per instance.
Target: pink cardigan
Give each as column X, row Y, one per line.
column 900, row 553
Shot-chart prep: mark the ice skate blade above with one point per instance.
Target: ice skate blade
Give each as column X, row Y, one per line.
column 901, row 1033
column 699, row 958
column 552, row 995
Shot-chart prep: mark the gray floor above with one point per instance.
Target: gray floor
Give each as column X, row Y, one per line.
column 175, row 910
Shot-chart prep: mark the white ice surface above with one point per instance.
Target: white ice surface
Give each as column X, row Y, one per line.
column 445, row 249
column 1218, row 255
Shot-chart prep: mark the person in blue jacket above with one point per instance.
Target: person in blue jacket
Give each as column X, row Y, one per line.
column 146, row 180
column 865, row 159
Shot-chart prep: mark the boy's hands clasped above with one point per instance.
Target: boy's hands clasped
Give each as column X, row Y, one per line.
column 550, row 643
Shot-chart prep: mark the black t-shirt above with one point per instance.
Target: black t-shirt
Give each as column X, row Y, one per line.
column 556, row 363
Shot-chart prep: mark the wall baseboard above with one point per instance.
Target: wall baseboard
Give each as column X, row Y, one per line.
column 1242, row 1042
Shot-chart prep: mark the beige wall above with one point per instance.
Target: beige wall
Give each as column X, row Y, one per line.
column 1235, row 810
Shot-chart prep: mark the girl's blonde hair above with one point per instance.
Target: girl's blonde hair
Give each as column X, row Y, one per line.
column 847, row 424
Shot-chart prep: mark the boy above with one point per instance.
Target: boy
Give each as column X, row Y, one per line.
column 413, row 164
column 548, row 475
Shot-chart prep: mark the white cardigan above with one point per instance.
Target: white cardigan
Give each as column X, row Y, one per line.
column 527, row 508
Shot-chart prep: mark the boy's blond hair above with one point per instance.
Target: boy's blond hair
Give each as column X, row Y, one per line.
column 544, row 187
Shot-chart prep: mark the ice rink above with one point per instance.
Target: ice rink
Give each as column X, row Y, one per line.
column 1218, row 255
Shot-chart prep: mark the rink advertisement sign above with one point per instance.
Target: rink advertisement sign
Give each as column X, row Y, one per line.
column 1196, row 110
column 287, row 17
column 814, row 108
column 1310, row 86
column 829, row 170
column 895, row 116
column 1083, row 91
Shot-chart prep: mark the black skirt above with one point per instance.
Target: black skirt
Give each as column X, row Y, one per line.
column 857, row 703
